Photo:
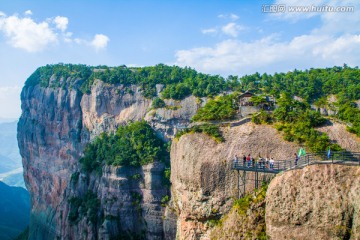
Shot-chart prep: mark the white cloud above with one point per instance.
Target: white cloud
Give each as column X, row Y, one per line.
column 28, row 12
column 61, row 23
column 230, row 16
column 334, row 42
column 267, row 54
column 26, row 34
column 232, row 29
column 234, row 17
column 100, row 41
column 209, row 31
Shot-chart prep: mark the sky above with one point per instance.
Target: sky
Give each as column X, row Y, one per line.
column 213, row 36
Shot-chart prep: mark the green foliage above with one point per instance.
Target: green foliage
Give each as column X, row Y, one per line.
column 166, row 177
column 310, row 84
column 349, row 112
column 258, row 99
column 179, row 82
column 158, row 103
column 164, row 200
column 221, row 108
column 24, row 235
column 242, row 204
column 297, row 122
column 75, row 177
column 262, row 117
column 58, row 72
column 86, row 206
column 133, row 145
column 136, row 198
column 136, row 176
column 176, row 92
column 209, row 129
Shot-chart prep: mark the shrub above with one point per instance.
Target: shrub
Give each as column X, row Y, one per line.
column 88, row 206
column 133, row 145
column 221, row 108
column 209, row 129
column 158, row 103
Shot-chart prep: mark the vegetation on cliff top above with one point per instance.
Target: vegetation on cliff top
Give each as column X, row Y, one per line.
column 208, row 129
column 298, row 122
column 134, row 145
column 179, row 82
column 220, row 108
column 312, row 85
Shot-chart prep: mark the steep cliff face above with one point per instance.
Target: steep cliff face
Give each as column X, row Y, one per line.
column 55, row 126
column 203, row 184
column 316, row 202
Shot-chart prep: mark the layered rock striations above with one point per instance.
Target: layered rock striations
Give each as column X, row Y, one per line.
column 57, row 123
column 316, row 202
column 203, row 184
column 55, row 126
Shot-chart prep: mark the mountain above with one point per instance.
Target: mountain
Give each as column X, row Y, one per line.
column 14, row 211
column 92, row 175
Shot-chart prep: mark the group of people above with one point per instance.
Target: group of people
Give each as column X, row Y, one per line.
column 250, row 161
column 267, row 163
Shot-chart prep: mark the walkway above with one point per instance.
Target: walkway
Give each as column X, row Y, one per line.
column 267, row 172
column 312, row 158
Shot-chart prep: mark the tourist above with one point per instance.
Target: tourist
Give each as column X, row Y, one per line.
column 236, row 160
column 272, row 163
column 248, row 159
column 244, row 161
column 260, row 161
column 296, row 159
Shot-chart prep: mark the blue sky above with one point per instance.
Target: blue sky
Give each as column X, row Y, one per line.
column 217, row 37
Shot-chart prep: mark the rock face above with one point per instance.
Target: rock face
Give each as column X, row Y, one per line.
column 337, row 133
column 316, row 202
column 55, row 126
column 203, row 185
column 57, row 123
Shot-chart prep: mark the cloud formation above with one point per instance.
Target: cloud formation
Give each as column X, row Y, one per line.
column 335, row 42
column 100, row 41
column 32, row 36
column 232, row 29
column 26, row 34
column 61, row 23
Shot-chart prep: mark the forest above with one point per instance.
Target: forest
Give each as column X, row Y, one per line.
column 313, row 85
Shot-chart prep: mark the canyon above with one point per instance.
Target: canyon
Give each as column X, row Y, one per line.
column 57, row 123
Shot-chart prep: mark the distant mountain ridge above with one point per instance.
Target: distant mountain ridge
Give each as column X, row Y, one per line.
column 14, row 211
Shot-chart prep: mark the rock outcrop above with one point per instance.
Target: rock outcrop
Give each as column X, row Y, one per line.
column 203, row 185
column 57, row 123
column 55, row 126
column 316, row 202
column 337, row 133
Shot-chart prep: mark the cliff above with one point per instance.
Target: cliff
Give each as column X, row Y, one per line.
column 127, row 202
column 203, row 184
column 316, row 202
column 55, row 126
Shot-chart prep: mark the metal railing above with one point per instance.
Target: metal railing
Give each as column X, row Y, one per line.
column 342, row 157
